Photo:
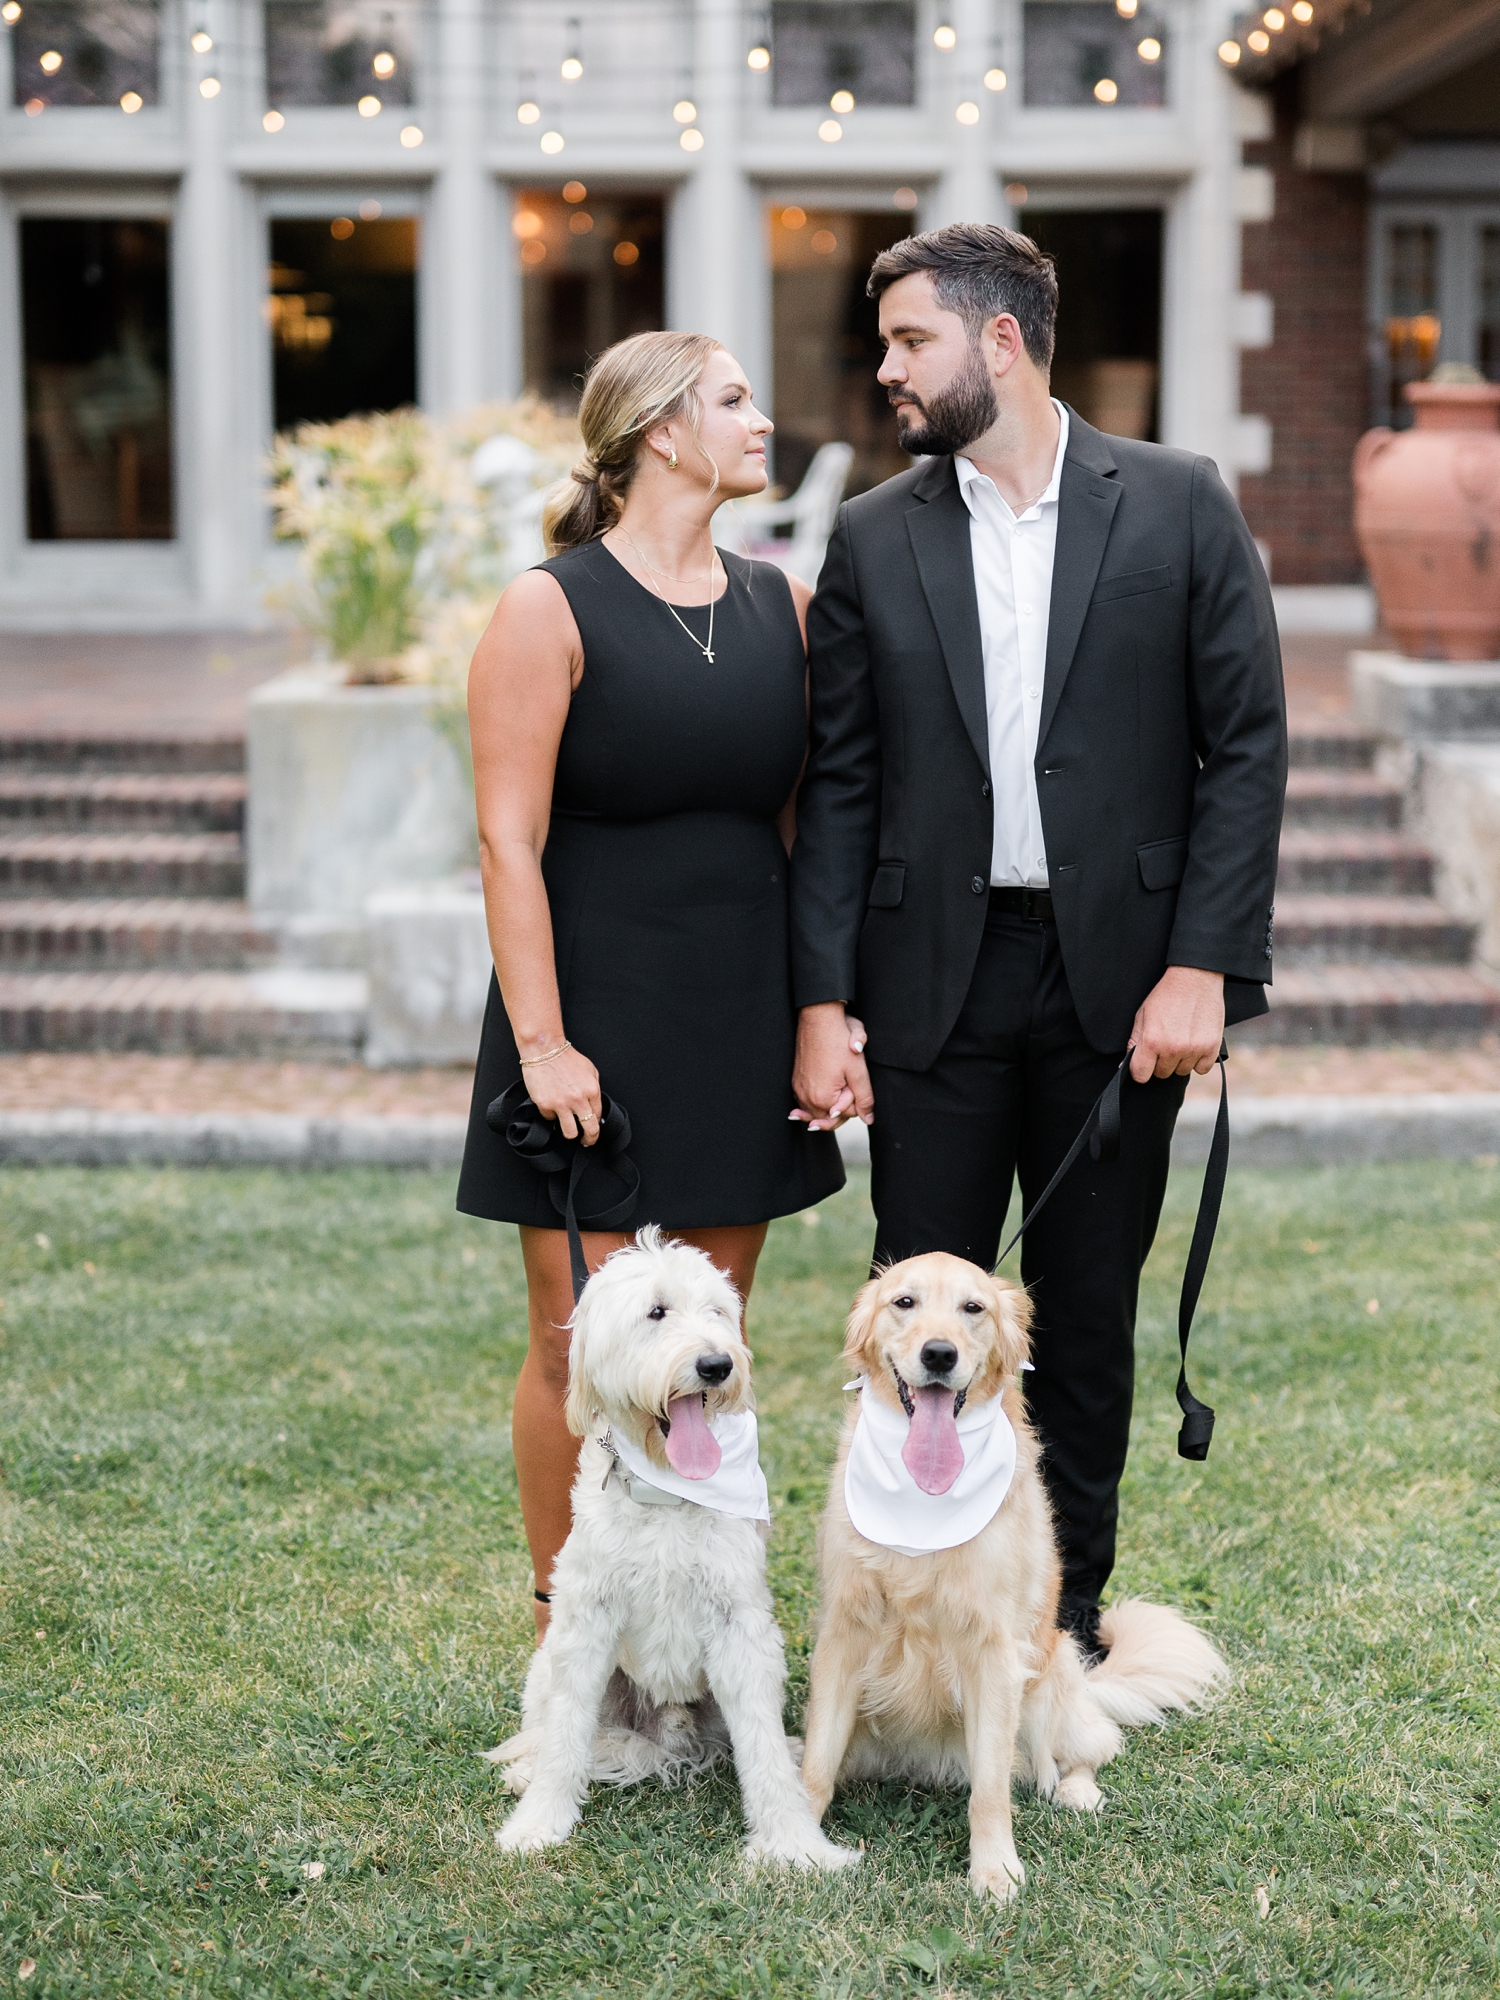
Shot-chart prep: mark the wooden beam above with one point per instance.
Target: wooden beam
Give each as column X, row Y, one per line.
column 1402, row 49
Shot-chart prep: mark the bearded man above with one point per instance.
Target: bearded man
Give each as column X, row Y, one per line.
column 1038, row 826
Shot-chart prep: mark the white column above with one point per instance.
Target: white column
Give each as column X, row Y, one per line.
column 210, row 520
column 462, row 250
column 969, row 190
column 715, row 232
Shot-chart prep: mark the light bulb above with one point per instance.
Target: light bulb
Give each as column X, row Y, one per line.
column 35, row 106
column 1149, row 50
column 1127, row 9
column 209, row 87
column 626, row 254
column 793, row 217
column 369, row 211
column 691, row 140
column 759, row 57
column 1229, row 52
column 574, row 191
column 1017, row 193
column 272, row 122
column 684, row 111
column 10, row 13
column 944, row 37
column 131, row 102
column 50, row 62
column 411, row 135
column 841, row 100
column 383, row 63
column 967, row 113
column 995, row 79
column 905, row 198
column 369, row 107
column 1274, row 19
column 202, row 41
column 1259, row 40
column 552, row 142
column 830, row 131
column 1302, row 12
column 572, row 69
column 1106, row 90
column 528, row 113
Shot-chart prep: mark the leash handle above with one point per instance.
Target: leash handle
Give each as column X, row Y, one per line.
column 539, row 1141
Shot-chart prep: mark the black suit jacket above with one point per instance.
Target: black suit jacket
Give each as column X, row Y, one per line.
column 1160, row 764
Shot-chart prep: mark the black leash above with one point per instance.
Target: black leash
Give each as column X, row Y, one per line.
column 1101, row 1133
column 540, row 1143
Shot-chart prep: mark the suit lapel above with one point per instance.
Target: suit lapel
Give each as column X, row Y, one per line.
column 1086, row 509
column 939, row 531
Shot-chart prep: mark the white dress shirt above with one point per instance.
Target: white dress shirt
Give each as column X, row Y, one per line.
column 1013, row 578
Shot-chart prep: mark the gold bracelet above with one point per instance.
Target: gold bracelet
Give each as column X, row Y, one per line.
column 527, row 1061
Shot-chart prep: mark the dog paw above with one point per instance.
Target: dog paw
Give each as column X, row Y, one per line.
column 525, row 1832
column 805, row 1848
column 1003, row 1880
column 1078, row 1791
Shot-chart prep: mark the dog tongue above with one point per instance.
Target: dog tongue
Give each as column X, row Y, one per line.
column 932, row 1453
column 692, row 1448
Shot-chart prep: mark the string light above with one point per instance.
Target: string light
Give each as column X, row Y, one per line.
column 691, row 140
column 793, row 217
column 626, row 254
column 1274, row 19
column 383, row 63
column 1302, row 12
column 1106, row 90
column 574, row 191
column 528, row 113
column 967, row 113
column 1127, row 9
column 1017, row 193
column 824, row 242
column 1259, row 40
column 841, row 101
column 759, row 57
column 50, row 62
column 571, row 70
column 995, row 79
column 341, row 228
column 411, row 135
column 10, row 13
column 35, row 106
column 272, row 122
column 209, row 86
column 944, row 37
column 552, row 142
column 684, row 111
column 369, row 107
column 1229, row 52
column 830, row 131
column 131, row 102
column 202, row 41
column 905, row 198
column 1149, row 50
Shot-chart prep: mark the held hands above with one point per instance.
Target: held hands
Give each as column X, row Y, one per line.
column 830, row 1080
column 1179, row 1026
column 567, row 1089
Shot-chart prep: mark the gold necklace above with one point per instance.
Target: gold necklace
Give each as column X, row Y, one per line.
column 706, row 650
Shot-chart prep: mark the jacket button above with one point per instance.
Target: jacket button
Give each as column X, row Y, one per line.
column 977, row 885
column 984, row 790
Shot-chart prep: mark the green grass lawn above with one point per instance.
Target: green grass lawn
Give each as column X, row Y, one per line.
column 263, row 1598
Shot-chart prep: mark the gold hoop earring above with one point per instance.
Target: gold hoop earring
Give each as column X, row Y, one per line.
column 672, row 461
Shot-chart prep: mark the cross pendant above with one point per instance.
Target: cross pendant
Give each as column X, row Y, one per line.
column 708, row 656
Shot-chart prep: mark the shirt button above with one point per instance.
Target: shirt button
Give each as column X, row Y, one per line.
column 1041, row 861
column 1032, row 693
column 1026, row 610
column 977, row 885
column 984, row 790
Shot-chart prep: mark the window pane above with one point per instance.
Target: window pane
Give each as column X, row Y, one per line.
column 591, row 274
column 338, row 51
column 342, row 307
column 1081, row 52
column 108, row 47
column 867, row 47
column 1109, row 312
column 96, row 327
column 826, row 342
column 1413, row 330
column 1489, row 303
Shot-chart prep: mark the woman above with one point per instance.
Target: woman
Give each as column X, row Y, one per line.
column 638, row 715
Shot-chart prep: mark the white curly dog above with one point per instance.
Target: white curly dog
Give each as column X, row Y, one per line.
column 663, row 1651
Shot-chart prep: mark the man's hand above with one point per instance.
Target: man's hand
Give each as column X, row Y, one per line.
column 1179, row 1026
column 830, row 1081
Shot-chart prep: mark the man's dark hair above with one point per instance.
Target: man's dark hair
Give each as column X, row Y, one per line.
column 978, row 270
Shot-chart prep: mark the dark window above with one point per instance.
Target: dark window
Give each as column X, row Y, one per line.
column 98, row 357
column 85, row 52
column 1108, row 313
column 867, row 47
column 591, row 274
column 1081, row 52
column 1489, row 303
column 321, row 53
column 342, row 306
column 1413, row 331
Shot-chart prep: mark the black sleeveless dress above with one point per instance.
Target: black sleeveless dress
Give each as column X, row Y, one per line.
column 667, row 882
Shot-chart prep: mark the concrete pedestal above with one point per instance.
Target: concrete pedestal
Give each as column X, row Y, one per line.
column 1456, row 789
column 429, row 971
column 1403, row 698
column 352, row 789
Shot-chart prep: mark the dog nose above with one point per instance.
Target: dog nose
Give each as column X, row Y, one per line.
column 938, row 1356
column 717, row 1368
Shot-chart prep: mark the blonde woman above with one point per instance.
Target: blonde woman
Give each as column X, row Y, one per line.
column 639, row 719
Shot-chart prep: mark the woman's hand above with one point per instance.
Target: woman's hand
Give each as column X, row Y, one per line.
column 567, row 1089
column 831, row 1082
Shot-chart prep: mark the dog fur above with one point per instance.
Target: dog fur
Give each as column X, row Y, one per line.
column 948, row 1668
column 662, row 1629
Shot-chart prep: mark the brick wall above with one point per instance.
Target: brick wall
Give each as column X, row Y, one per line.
column 1313, row 381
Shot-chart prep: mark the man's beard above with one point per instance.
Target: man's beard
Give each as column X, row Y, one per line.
column 955, row 416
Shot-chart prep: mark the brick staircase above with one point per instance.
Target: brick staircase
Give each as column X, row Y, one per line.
column 122, row 924
column 1363, row 951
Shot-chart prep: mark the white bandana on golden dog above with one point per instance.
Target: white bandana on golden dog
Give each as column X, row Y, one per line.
column 887, row 1506
column 736, row 1486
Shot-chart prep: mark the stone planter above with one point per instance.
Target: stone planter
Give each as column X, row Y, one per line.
column 429, row 961
column 1427, row 514
column 352, row 789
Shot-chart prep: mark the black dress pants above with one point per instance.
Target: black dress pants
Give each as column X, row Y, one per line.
column 1004, row 1100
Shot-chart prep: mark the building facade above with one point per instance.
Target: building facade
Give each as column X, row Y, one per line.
column 221, row 217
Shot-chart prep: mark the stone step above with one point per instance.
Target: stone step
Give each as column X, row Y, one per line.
column 280, row 1011
column 1354, row 863
column 122, row 802
column 131, row 933
column 149, row 754
column 1330, row 798
column 121, row 864
column 1342, row 930
column 1357, row 1004
column 1330, row 746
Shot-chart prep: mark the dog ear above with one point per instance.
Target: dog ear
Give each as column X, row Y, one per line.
column 1013, row 1309
column 861, row 1322
column 581, row 1403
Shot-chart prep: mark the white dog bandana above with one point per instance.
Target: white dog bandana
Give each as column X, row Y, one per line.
column 738, row 1487
column 887, row 1506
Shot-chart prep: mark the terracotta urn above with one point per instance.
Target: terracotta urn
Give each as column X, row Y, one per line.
column 1427, row 515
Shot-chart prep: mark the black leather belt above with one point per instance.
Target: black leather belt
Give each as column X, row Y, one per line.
column 1035, row 905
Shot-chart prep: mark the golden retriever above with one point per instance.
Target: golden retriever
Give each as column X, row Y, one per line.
column 948, row 1668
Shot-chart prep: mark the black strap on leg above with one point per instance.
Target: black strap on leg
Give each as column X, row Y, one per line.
column 565, row 1161
column 1101, row 1133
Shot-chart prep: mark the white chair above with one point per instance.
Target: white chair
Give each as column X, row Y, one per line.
column 744, row 526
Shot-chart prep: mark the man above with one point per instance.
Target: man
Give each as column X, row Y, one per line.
column 1038, row 824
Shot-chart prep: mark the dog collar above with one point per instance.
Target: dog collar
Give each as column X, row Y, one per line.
column 738, row 1487
column 886, row 1505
